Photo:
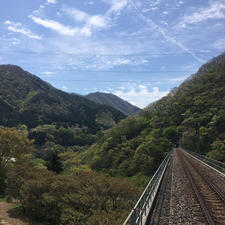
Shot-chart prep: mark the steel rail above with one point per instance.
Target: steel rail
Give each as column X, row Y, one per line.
column 214, row 187
column 216, row 165
column 219, row 193
column 197, row 193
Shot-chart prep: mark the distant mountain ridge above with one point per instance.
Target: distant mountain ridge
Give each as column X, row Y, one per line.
column 25, row 98
column 113, row 101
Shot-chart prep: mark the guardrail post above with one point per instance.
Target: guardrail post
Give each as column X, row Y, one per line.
column 133, row 217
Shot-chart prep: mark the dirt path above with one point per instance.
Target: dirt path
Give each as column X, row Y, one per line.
column 7, row 219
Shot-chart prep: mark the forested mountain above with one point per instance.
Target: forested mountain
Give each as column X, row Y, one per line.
column 192, row 115
column 114, row 101
column 53, row 181
column 26, row 99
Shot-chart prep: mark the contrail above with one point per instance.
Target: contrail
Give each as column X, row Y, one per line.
column 164, row 33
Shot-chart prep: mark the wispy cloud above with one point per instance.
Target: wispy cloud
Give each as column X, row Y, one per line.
column 97, row 21
column 65, row 88
column 76, row 14
column 84, row 27
column 54, row 25
column 107, row 62
column 48, row 73
column 163, row 32
column 88, row 20
column 60, row 28
column 117, row 5
column 174, row 41
column 215, row 11
column 219, row 44
column 18, row 28
column 155, row 2
column 51, row 1
column 141, row 96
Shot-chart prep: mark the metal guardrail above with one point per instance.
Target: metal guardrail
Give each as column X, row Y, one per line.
column 211, row 162
column 139, row 214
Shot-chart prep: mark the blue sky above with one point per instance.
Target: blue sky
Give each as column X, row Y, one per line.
column 136, row 49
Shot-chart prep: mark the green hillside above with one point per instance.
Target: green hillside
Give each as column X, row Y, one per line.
column 34, row 102
column 113, row 101
column 56, row 120
column 192, row 115
column 52, row 177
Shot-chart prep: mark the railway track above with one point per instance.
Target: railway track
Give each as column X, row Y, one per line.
column 159, row 215
column 188, row 193
column 208, row 195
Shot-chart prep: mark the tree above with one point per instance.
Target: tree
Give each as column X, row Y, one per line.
column 218, row 150
column 13, row 147
column 171, row 134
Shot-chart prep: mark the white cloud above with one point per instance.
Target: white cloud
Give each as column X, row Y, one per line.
column 219, row 44
column 145, row 10
column 164, row 23
column 155, row 2
column 51, row 1
column 15, row 41
column 86, row 23
column 54, row 25
column 133, row 103
column 65, row 88
column 215, row 11
column 60, row 28
column 18, row 28
column 88, row 20
column 165, row 12
column 119, row 61
column 48, row 73
column 77, row 14
column 118, row 5
column 85, row 31
column 153, row 8
column 107, row 62
column 154, row 26
column 97, row 21
column 142, row 86
column 141, row 96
